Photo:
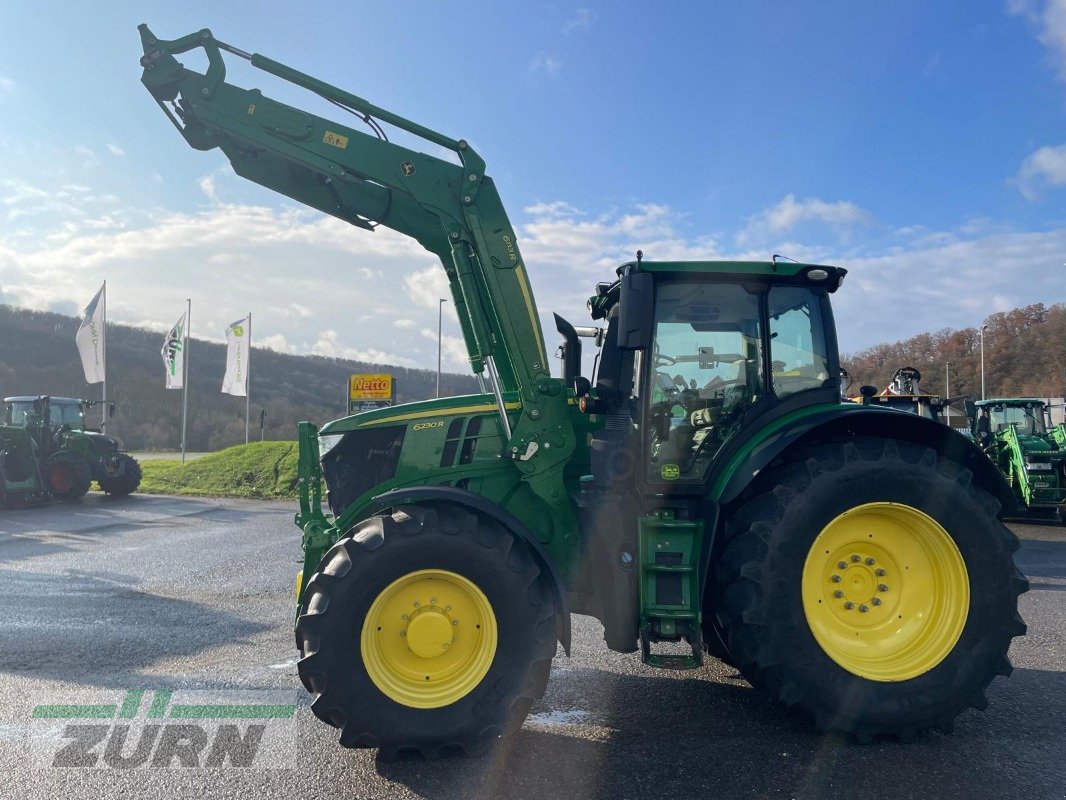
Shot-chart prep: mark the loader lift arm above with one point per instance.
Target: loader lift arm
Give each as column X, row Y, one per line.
column 453, row 211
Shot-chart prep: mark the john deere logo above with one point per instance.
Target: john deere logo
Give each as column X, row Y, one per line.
column 407, row 168
column 671, row 472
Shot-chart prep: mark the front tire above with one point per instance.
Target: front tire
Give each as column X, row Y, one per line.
column 67, row 476
column 377, row 654
column 127, row 481
column 871, row 587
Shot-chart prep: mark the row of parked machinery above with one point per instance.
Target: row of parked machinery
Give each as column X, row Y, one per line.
column 47, row 453
column 1017, row 433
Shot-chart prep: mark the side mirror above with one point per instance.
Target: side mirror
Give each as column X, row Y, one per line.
column 582, row 386
column 635, row 309
column 867, row 392
column 971, row 409
column 110, row 410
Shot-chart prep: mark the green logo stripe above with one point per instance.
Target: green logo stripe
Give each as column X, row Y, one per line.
column 233, row 711
column 159, row 705
column 74, row 712
column 131, row 704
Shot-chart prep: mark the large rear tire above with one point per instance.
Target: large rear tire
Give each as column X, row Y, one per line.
column 870, row 586
column 67, row 476
column 428, row 630
column 127, row 481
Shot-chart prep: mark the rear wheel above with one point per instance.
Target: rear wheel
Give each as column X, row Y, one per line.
column 429, row 630
column 67, row 476
column 871, row 587
column 127, row 481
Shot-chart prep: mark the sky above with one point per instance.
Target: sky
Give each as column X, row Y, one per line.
column 920, row 145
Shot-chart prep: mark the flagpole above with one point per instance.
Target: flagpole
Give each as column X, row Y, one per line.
column 185, row 375
column 248, row 378
column 103, row 342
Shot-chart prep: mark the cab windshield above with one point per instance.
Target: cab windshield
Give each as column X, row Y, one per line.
column 706, row 370
column 1027, row 419
column 21, row 412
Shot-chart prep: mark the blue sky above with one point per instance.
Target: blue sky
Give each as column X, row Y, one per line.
column 921, row 145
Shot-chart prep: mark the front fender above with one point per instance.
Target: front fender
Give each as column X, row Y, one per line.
column 844, row 423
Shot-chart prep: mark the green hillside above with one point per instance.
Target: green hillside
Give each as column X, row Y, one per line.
column 264, row 470
column 37, row 355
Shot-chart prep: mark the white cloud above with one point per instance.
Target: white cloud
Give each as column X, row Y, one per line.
column 1044, row 167
column 544, row 63
column 7, row 84
column 791, row 212
column 207, row 186
column 328, row 344
column 1049, row 19
column 403, row 323
column 452, row 348
column 580, row 20
column 276, row 342
column 116, row 150
column 426, row 286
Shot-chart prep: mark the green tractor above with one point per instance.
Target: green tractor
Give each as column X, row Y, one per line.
column 71, row 456
column 20, row 479
column 705, row 491
column 1015, row 434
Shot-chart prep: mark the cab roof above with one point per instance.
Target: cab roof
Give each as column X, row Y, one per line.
column 769, row 268
column 1011, row 401
column 29, row 398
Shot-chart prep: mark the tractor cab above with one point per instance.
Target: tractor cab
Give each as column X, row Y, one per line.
column 23, row 412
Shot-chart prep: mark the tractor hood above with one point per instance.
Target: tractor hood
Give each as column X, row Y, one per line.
column 1034, row 444
column 424, row 409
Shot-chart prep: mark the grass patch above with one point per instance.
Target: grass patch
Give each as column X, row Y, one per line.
column 265, row 470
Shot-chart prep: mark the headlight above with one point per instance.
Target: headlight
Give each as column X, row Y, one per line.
column 327, row 442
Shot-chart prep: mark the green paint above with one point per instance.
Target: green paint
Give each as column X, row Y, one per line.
column 233, row 711
column 131, row 704
column 159, row 705
column 74, row 711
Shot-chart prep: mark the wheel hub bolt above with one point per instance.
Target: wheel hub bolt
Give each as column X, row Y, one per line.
column 433, row 601
column 855, row 559
column 880, row 573
column 876, row 601
column 842, row 564
column 849, row 605
column 405, row 616
column 882, row 587
column 838, row 593
column 835, row 579
column 869, row 562
column 455, row 622
column 417, row 604
column 864, row 608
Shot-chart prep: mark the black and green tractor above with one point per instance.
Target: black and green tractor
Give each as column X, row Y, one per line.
column 21, row 483
column 704, row 491
column 70, row 455
column 1029, row 452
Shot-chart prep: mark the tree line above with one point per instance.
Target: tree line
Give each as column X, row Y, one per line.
column 1025, row 356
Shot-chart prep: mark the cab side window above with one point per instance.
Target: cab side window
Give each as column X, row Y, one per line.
column 798, row 350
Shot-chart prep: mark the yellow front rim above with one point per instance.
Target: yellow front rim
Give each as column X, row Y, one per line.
column 885, row 591
column 429, row 638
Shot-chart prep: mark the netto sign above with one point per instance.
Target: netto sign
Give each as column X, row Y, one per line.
column 370, row 390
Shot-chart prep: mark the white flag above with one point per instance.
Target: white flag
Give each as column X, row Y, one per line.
column 236, row 380
column 90, row 339
column 174, row 354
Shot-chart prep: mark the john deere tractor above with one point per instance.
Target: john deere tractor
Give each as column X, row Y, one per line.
column 705, row 491
column 71, row 457
column 1032, row 457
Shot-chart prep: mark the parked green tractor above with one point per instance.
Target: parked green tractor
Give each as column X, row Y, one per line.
column 704, row 491
column 71, row 457
column 1014, row 432
column 20, row 479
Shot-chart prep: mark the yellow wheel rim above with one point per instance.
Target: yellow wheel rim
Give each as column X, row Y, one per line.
column 428, row 639
column 885, row 591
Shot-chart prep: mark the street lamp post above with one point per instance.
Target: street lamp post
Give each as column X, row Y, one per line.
column 440, row 338
column 947, row 390
column 983, row 327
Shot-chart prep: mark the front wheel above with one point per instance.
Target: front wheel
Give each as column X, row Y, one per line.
column 871, row 587
column 428, row 630
column 126, row 481
column 67, row 476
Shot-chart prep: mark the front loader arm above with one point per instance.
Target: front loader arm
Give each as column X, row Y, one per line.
column 454, row 211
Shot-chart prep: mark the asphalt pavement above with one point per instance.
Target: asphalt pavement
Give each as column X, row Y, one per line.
column 170, row 594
